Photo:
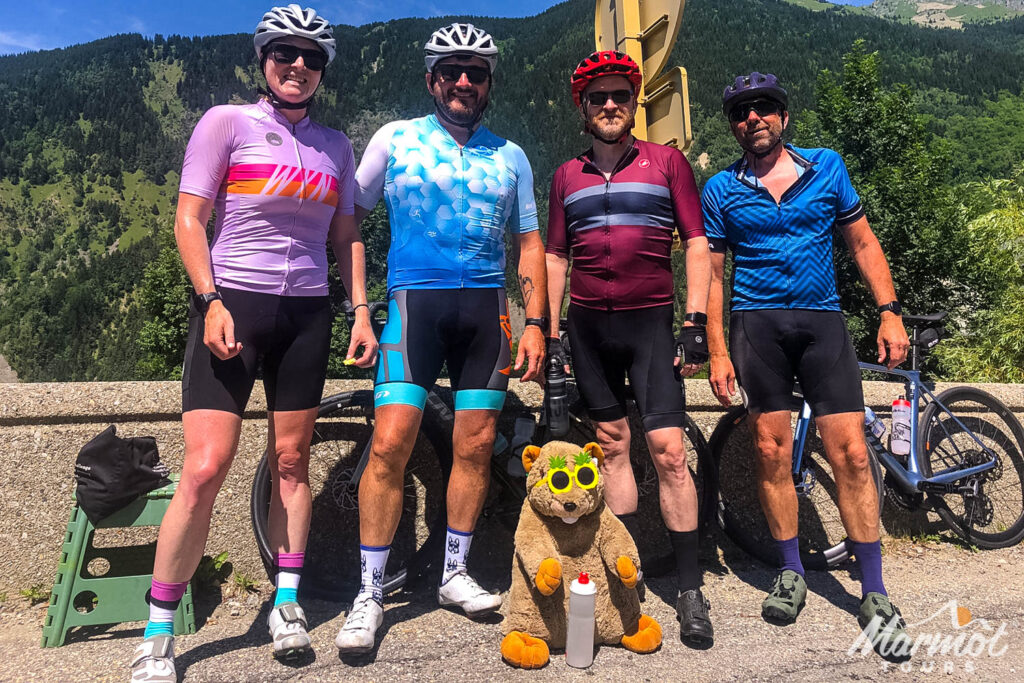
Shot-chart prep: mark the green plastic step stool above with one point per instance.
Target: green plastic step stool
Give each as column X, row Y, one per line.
column 118, row 595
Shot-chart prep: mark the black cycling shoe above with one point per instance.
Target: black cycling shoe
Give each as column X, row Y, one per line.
column 693, row 612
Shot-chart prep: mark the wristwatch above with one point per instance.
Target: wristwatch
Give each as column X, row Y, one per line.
column 893, row 306
column 204, row 300
column 697, row 318
column 543, row 323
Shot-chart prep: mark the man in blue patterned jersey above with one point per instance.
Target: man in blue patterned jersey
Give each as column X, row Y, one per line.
column 451, row 188
column 776, row 209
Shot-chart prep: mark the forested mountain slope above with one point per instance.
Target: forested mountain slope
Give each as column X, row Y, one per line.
column 91, row 141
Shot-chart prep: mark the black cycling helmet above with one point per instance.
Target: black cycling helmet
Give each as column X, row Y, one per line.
column 750, row 87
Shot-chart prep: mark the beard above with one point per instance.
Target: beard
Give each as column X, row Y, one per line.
column 606, row 129
column 460, row 114
column 762, row 145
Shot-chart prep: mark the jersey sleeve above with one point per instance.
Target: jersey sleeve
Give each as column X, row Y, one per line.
column 685, row 197
column 373, row 167
column 714, row 225
column 346, row 177
column 848, row 208
column 558, row 239
column 208, row 154
column 523, row 217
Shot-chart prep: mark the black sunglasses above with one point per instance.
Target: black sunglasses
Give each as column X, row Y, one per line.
column 762, row 107
column 315, row 60
column 599, row 98
column 451, row 73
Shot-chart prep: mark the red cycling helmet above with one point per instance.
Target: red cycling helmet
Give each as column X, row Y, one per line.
column 604, row 63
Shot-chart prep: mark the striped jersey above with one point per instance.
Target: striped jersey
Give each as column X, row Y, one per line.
column 782, row 251
column 448, row 206
column 618, row 231
column 276, row 187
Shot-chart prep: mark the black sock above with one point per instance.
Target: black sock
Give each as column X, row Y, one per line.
column 632, row 522
column 685, row 544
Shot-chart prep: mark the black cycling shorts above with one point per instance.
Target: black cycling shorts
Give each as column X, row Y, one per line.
column 772, row 348
column 289, row 337
column 467, row 329
column 606, row 346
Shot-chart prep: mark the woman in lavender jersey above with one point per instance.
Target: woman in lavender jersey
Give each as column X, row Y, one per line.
column 282, row 188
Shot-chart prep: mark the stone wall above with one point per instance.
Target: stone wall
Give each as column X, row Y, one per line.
column 42, row 427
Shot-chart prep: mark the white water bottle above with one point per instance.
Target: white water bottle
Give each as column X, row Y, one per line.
column 899, row 441
column 579, row 641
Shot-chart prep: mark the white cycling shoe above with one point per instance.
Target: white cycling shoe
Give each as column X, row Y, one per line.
column 287, row 624
column 360, row 630
column 153, row 661
column 462, row 590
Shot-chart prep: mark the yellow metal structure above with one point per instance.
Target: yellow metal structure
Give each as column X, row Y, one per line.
column 646, row 30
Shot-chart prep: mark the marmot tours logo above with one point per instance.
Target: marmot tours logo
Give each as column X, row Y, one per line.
column 274, row 139
column 950, row 640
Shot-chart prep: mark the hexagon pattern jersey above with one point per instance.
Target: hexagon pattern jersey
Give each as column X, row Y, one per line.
column 448, row 205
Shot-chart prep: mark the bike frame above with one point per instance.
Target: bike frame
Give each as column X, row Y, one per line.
column 909, row 477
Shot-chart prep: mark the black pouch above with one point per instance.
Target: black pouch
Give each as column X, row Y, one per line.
column 111, row 472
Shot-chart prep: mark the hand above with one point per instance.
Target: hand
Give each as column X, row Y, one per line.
column 556, row 352
column 893, row 343
column 219, row 332
column 723, row 380
column 627, row 572
column 362, row 335
column 691, row 349
column 531, row 350
column 549, row 576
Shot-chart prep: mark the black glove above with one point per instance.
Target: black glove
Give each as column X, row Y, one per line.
column 692, row 344
column 555, row 352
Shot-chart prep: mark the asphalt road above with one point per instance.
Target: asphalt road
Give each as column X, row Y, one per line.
column 421, row 642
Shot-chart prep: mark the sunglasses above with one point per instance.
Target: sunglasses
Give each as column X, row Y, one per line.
column 560, row 479
column 762, row 107
column 599, row 98
column 315, row 60
column 451, row 73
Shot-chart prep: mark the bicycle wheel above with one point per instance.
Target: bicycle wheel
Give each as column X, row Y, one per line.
column 338, row 453
column 739, row 513
column 995, row 517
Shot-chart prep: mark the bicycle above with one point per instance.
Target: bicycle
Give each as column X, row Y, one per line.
column 340, row 451
column 966, row 463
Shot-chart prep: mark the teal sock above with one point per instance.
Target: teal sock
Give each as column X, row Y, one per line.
column 285, row 595
column 159, row 628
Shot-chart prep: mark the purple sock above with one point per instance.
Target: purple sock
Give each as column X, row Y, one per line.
column 789, row 554
column 869, row 559
column 167, row 592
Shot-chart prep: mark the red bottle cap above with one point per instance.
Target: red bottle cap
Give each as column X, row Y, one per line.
column 901, row 402
column 584, row 578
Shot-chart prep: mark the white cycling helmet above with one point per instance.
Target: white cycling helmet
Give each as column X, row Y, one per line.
column 292, row 20
column 461, row 40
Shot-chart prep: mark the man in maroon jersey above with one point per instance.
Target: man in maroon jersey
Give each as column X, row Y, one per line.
column 614, row 210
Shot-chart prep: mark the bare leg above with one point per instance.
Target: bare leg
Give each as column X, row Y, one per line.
column 773, row 441
column 289, row 436
column 678, row 494
column 211, row 439
column 473, row 441
column 620, row 492
column 380, row 487
column 847, row 453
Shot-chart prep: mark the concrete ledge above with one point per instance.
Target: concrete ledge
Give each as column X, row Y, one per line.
column 43, row 426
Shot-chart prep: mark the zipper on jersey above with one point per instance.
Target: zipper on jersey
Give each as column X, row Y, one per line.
column 298, row 208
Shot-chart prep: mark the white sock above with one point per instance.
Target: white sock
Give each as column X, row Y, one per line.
column 372, row 560
column 456, row 548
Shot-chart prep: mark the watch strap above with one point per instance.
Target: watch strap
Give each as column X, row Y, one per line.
column 893, row 306
column 542, row 323
column 204, row 300
column 696, row 318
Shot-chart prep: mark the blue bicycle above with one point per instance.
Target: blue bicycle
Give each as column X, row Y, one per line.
column 966, row 463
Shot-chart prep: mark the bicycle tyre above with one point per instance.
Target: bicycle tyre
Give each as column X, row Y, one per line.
column 738, row 510
column 347, row 418
column 941, row 443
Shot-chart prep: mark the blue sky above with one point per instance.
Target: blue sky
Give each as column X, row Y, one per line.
column 46, row 24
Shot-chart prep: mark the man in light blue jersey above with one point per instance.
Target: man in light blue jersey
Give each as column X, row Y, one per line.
column 776, row 209
column 451, row 188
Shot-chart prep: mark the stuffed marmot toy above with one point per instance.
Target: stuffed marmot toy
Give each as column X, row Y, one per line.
column 564, row 529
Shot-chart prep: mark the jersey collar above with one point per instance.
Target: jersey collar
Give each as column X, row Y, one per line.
column 745, row 175
column 587, row 158
column 265, row 106
column 477, row 132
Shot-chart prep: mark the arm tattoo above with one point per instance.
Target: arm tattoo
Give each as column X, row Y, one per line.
column 526, row 284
